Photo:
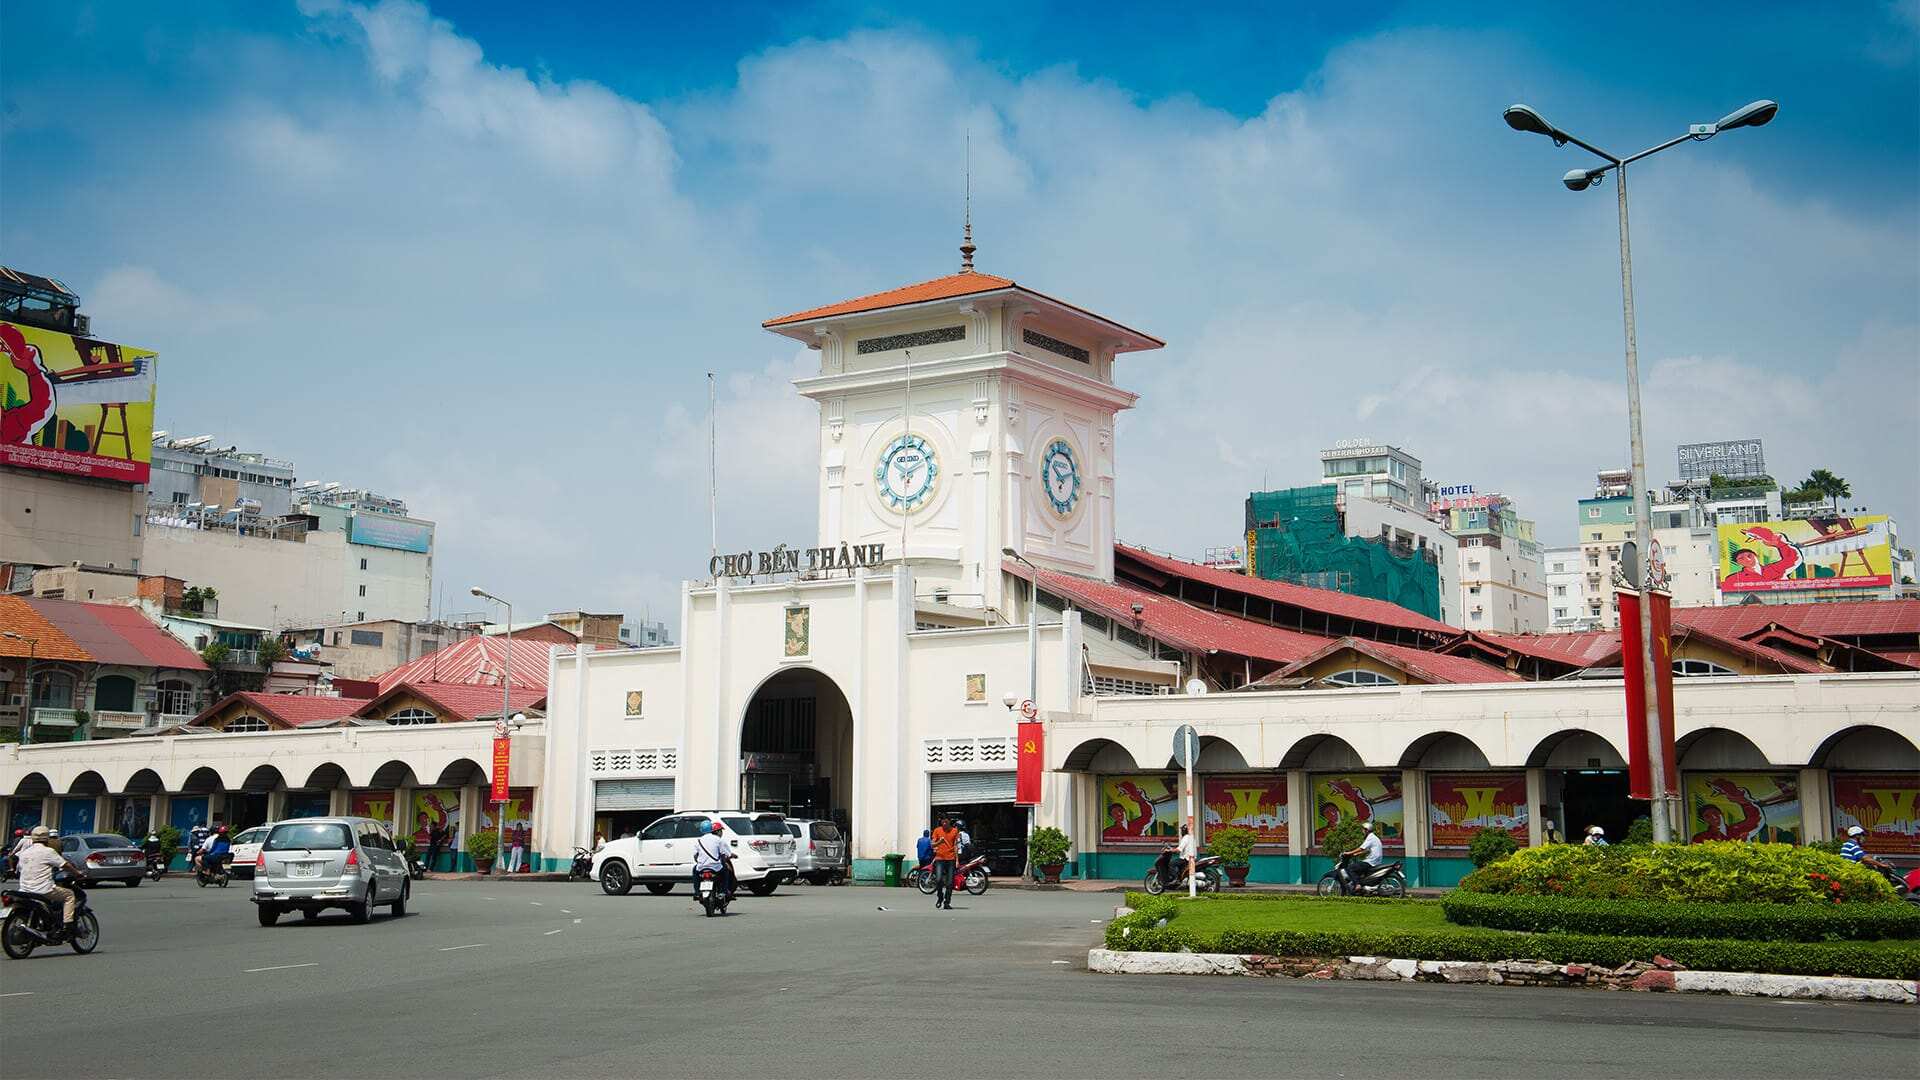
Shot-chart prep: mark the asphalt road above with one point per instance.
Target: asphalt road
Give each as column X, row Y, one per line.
column 556, row 980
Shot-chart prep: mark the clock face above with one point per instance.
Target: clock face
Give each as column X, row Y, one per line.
column 906, row 473
column 1060, row 477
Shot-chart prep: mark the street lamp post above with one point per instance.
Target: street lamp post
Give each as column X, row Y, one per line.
column 506, row 710
column 1525, row 119
column 26, row 716
column 1033, row 625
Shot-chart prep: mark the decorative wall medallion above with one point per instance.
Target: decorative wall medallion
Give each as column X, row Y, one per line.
column 906, row 473
column 1060, row 476
column 634, row 701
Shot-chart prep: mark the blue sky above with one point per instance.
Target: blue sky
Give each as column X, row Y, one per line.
column 480, row 255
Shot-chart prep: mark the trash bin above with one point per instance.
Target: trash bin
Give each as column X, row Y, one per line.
column 895, row 860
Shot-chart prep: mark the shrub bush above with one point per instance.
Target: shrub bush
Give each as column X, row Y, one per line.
column 1649, row 918
column 1234, row 844
column 1048, row 846
column 1142, row 932
column 1342, row 837
column 1490, row 845
column 1640, row 832
column 1717, row 872
column 169, row 840
column 482, row 845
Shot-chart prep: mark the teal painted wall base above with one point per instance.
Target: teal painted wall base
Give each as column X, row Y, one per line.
column 1444, row 872
column 869, row 871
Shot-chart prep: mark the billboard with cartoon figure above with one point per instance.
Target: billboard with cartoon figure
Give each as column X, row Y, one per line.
column 1360, row 797
column 1884, row 804
column 1139, row 809
column 1248, row 802
column 75, row 405
column 1461, row 804
column 1836, row 552
column 1761, row 807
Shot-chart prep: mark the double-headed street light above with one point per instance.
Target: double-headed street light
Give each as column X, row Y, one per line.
column 1525, row 118
column 506, row 710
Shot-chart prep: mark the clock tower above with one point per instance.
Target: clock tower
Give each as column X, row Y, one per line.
column 963, row 415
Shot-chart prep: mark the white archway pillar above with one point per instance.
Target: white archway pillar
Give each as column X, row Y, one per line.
column 1816, row 805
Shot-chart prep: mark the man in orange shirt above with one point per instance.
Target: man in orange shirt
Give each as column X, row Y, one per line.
column 946, row 854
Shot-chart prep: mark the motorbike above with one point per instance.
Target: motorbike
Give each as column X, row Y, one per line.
column 582, row 867
column 156, row 866
column 32, row 922
column 1169, row 871
column 713, row 892
column 217, row 876
column 1386, row 879
column 973, row 876
column 1903, row 887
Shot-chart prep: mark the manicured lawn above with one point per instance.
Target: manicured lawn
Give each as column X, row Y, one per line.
column 1208, row 915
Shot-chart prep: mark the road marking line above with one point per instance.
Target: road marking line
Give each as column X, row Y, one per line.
column 278, row 967
column 536, row 903
column 18, row 993
column 1063, row 961
column 457, row 948
column 577, row 922
column 566, row 911
column 486, row 898
column 550, row 933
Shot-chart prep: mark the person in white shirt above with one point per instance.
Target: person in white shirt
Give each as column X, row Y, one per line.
column 38, row 863
column 1369, row 853
column 710, row 852
column 1189, row 849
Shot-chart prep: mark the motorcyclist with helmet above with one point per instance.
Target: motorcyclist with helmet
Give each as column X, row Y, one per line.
column 1366, row 855
column 215, row 851
column 711, row 852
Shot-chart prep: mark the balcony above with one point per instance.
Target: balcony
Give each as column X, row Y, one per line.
column 119, row 721
column 171, row 719
column 54, row 717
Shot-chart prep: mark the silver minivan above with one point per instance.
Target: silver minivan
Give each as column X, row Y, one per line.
column 820, row 851
column 311, row 864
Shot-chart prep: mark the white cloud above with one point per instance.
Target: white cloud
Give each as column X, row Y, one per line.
column 502, row 289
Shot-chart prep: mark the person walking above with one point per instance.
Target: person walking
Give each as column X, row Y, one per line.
column 436, row 839
column 946, row 854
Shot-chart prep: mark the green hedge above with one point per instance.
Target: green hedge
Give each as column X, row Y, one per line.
column 1142, row 932
column 1718, row 872
column 1628, row 918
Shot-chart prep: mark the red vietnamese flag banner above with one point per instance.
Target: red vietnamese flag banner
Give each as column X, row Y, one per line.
column 1639, row 767
column 1663, row 684
column 502, row 755
column 1029, row 764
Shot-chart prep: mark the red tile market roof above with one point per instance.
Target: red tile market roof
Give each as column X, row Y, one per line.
column 476, row 662
column 1321, row 601
column 1173, row 621
column 112, row 634
column 967, row 283
column 295, row 710
column 464, row 701
column 1426, row 666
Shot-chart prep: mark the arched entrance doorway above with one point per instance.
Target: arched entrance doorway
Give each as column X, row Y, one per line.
column 796, row 748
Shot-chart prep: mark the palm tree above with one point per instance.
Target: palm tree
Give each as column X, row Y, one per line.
column 1823, row 484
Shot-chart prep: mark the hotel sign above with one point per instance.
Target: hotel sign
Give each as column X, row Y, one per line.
column 796, row 560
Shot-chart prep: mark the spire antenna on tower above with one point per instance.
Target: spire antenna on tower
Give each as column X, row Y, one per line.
column 966, row 237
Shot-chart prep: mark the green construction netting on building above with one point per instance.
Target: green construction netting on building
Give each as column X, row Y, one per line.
column 1296, row 535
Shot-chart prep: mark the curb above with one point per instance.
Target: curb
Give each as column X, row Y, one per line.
column 1506, row 973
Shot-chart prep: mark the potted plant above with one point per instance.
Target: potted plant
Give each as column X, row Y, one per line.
column 483, row 847
column 1047, row 849
column 1234, row 845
